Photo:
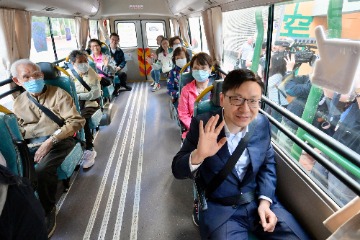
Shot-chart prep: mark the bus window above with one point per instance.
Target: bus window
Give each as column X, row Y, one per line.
column 41, row 44
column 127, row 29
column 64, row 36
column 239, row 26
column 154, row 29
column 195, row 30
column 292, row 64
column 93, row 25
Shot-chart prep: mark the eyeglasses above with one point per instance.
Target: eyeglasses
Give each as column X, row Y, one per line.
column 91, row 46
column 239, row 101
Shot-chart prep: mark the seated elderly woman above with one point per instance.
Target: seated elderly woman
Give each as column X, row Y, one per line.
column 88, row 93
column 105, row 65
column 201, row 69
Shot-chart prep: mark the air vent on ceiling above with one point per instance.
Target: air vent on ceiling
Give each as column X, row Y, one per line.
column 49, row 9
column 77, row 13
column 190, row 9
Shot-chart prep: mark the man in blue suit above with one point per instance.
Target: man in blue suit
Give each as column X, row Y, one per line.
column 231, row 215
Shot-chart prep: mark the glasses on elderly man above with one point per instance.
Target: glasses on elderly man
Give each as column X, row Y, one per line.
column 239, row 101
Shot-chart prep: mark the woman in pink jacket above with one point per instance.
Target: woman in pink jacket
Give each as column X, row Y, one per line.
column 201, row 69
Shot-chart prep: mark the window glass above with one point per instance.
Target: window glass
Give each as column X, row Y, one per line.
column 240, row 34
column 195, row 30
column 335, row 111
column 41, row 44
column 64, row 36
column 94, row 29
column 127, row 29
column 154, row 29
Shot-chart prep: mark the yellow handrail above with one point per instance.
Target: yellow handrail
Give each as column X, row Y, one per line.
column 62, row 70
column 4, row 110
column 184, row 67
column 203, row 93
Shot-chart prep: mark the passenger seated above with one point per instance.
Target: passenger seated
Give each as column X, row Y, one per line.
column 21, row 214
column 163, row 62
column 180, row 59
column 36, row 126
column 245, row 200
column 155, row 73
column 118, row 55
column 201, row 69
column 105, row 65
column 175, row 42
column 88, row 99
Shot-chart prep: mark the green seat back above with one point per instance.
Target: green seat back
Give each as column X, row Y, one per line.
column 9, row 132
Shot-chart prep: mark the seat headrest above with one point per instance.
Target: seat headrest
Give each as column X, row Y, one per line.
column 49, row 70
column 215, row 96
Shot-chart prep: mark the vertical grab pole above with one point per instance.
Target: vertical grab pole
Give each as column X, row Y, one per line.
column 259, row 40
column 334, row 21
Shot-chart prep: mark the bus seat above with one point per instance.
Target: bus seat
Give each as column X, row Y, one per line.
column 9, row 132
column 52, row 77
column 213, row 104
column 95, row 119
column 185, row 78
column 108, row 90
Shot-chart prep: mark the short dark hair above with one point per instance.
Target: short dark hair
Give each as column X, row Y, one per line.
column 94, row 40
column 114, row 35
column 177, row 51
column 172, row 40
column 235, row 78
column 202, row 58
column 75, row 54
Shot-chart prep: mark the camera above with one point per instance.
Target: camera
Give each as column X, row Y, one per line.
column 303, row 52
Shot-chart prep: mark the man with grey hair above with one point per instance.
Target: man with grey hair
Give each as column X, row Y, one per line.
column 37, row 127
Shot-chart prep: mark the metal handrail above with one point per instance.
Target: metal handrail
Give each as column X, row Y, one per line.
column 343, row 150
column 341, row 175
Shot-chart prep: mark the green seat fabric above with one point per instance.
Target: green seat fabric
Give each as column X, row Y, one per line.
column 10, row 132
column 52, row 77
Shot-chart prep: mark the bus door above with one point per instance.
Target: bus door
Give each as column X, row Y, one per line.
column 137, row 40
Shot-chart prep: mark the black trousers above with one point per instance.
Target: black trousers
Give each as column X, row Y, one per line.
column 46, row 171
column 22, row 216
column 87, row 113
column 122, row 77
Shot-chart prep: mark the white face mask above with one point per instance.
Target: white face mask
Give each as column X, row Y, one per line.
column 175, row 46
column 181, row 62
column 83, row 67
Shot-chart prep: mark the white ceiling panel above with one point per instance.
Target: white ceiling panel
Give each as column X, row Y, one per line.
column 58, row 7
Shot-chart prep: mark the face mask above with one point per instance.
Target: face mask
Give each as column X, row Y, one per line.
column 34, row 86
column 175, row 46
column 83, row 67
column 200, row 75
column 180, row 62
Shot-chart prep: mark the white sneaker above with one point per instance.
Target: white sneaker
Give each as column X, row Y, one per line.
column 156, row 87
column 89, row 158
column 152, row 84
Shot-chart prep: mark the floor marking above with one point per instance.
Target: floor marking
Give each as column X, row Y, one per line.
column 99, row 196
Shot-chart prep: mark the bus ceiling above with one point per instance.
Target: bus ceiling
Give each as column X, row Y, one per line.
column 107, row 8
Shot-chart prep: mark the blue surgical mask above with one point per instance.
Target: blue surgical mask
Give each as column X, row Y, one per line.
column 34, row 86
column 200, row 75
